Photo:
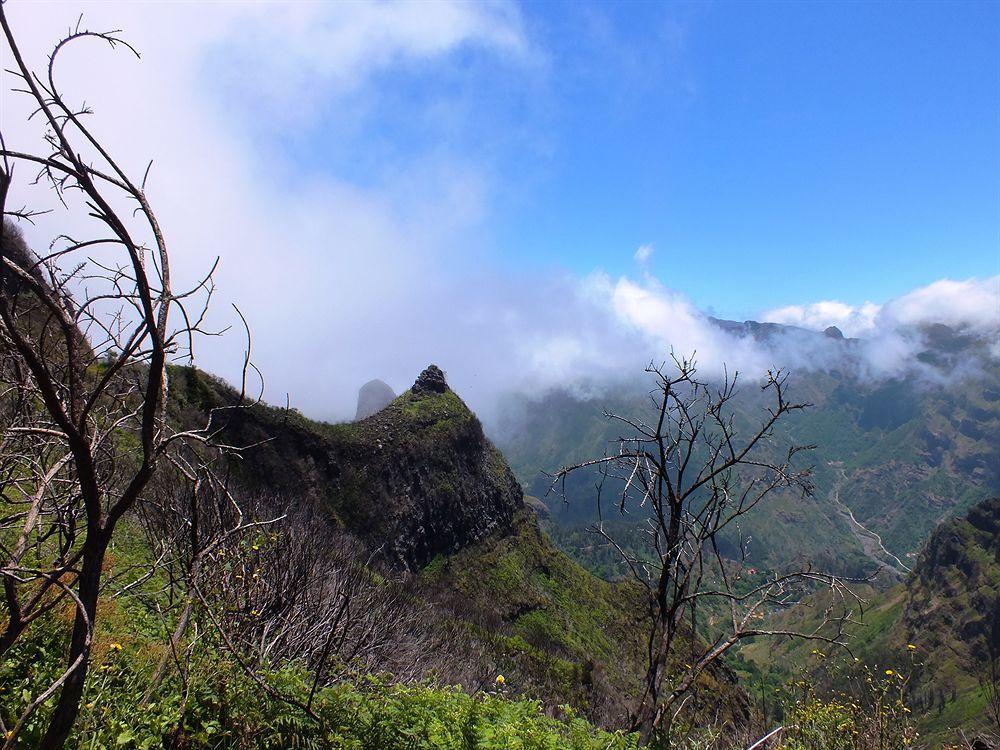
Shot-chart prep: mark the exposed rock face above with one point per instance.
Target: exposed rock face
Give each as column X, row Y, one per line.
column 430, row 380
column 834, row 333
column 952, row 600
column 424, row 480
column 373, row 397
column 416, row 479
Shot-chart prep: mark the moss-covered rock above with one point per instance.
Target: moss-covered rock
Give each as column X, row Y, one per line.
column 417, row 479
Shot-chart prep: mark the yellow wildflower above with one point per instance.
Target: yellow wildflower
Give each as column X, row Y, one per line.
column 500, row 679
column 889, row 672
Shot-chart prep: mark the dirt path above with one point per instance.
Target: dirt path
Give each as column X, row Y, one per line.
column 871, row 543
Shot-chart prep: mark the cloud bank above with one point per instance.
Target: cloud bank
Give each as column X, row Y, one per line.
column 352, row 260
column 972, row 304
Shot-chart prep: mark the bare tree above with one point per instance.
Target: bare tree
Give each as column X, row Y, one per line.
column 695, row 473
column 270, row 582
column 86, row 335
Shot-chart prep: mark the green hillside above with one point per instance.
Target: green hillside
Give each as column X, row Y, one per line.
column 448, row 553
column 900, row 455
column 936, row 630
column 420, row 483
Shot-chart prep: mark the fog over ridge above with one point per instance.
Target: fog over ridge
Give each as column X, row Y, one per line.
column 343, row 280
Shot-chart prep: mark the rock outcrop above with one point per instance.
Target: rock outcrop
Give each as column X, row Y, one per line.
column 431, row 380
column 416, row 479
column 421, row 478
column 373, row 397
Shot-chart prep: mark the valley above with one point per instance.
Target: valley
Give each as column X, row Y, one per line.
column 498, row 375
column 870, row 542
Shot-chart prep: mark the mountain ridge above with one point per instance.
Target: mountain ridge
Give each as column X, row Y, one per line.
column 418, row 478
column 905, row 452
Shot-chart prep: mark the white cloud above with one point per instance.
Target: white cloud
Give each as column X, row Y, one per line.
column 343, row 281
column 340, row 281
column 601, row 328
column 291, row 58
column 973, row 304
column 851, row 320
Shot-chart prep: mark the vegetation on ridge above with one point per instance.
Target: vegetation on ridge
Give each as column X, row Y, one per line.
column 939, row 629
column 183, row 567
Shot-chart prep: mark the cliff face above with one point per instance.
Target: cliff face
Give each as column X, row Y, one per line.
column 954, row 590
column 421, row 476
column 416, row 479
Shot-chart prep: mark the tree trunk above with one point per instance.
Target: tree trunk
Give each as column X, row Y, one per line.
column 68, row 707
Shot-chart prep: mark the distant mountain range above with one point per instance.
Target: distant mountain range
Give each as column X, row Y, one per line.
column 894, row 456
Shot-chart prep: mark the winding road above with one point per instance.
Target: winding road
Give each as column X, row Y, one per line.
column 871, row 543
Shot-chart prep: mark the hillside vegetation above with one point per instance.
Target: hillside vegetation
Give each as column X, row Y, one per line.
column 493, row 638
column 936, row 630
column 900, row 455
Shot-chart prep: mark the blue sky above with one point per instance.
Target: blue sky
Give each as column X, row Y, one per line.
column 812, row 151
column 468, row 183
column 772, row 153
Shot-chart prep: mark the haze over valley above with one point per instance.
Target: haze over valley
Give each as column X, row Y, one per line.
column 500, row 375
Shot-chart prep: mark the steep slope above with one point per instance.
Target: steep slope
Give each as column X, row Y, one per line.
column 951, row 609
column 421, row 484
column 897, row 455
column 936, row 629
column 417, row 479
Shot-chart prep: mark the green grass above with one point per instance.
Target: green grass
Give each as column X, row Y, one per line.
column 225, row 709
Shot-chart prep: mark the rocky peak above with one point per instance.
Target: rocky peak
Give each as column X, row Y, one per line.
column 431, row 380
column 834, row 333
column 415, row 480
column 373, row 397
column 421, row 478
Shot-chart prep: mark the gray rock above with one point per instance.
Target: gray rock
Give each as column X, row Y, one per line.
column 430, row 380
column 373, row 397
column 537, row 505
